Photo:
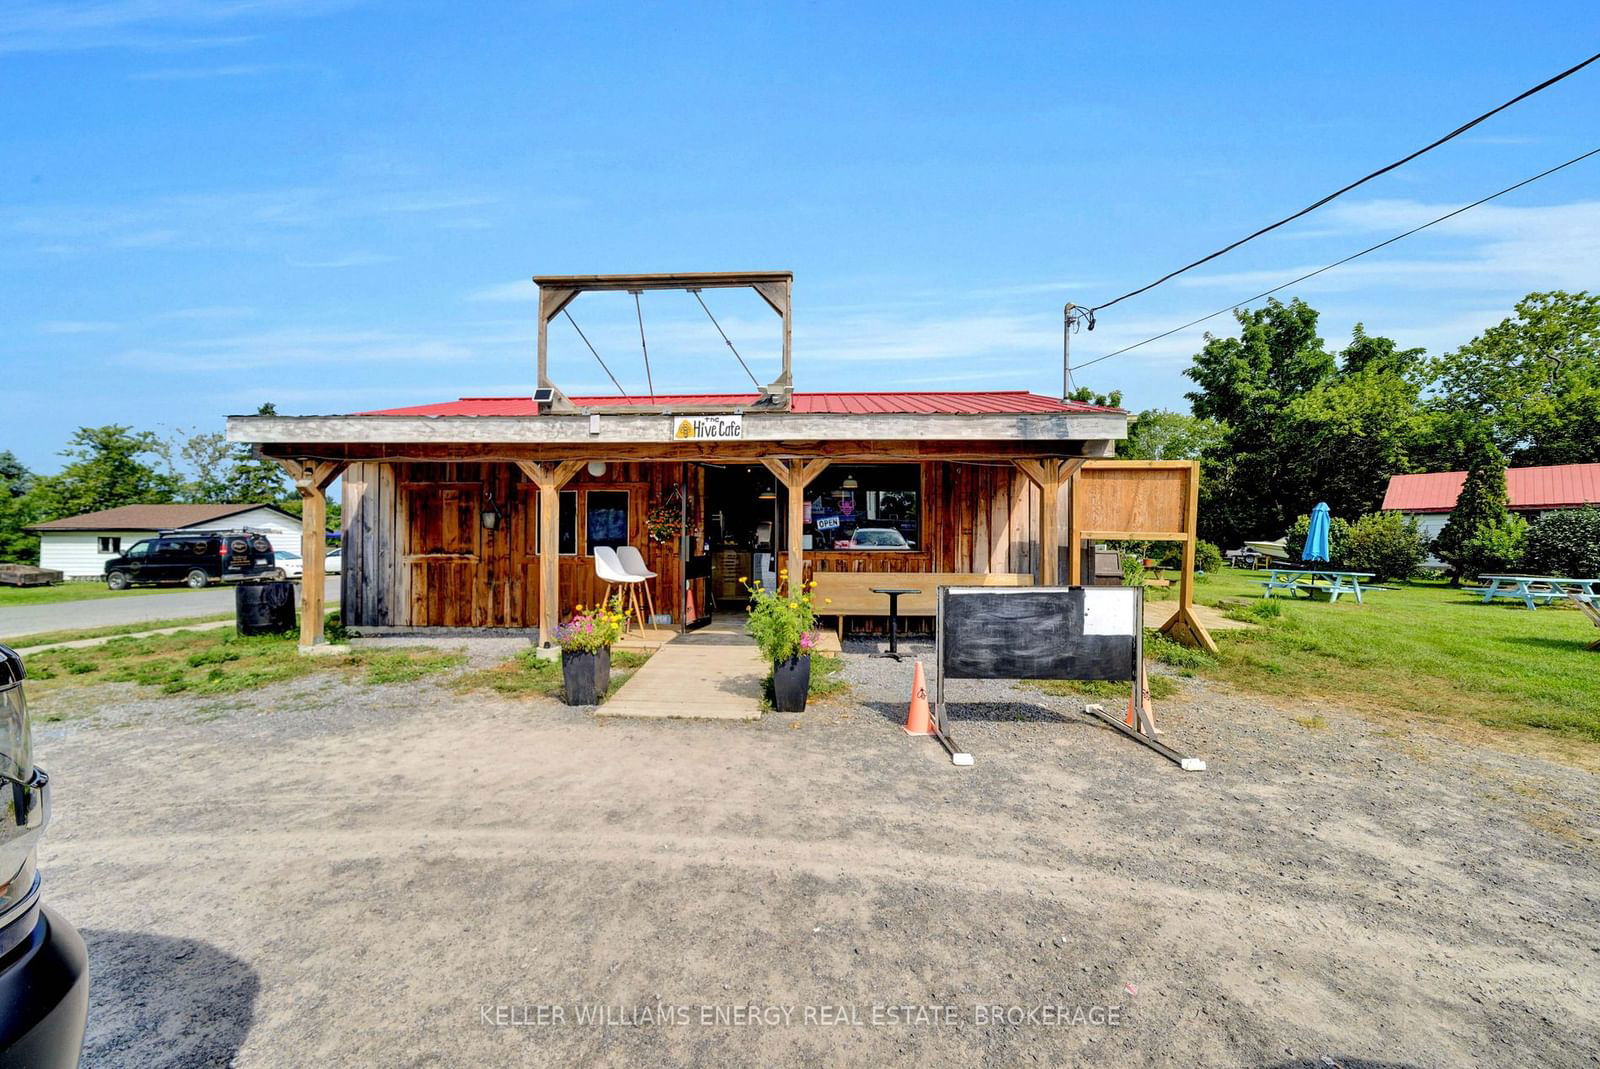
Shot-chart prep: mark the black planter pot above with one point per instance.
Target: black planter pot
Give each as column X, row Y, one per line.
column 791, row 683
column 585, row 676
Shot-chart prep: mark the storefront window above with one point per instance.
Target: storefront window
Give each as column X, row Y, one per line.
column 567, row 523
column 865, row 507
column 607, row 518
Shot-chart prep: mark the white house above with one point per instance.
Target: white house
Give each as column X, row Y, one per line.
column 79, row 546
column 1428, row 498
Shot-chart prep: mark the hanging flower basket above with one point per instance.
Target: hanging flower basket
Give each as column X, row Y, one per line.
column 664, row 523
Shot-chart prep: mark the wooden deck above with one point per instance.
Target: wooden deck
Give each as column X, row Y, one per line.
column 714, row 673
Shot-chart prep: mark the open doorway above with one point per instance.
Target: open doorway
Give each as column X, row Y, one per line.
column 742, row 530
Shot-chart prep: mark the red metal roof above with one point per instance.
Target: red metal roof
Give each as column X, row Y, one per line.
column 1554, row 487
column 959, row 403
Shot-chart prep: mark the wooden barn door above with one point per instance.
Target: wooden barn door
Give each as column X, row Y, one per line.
column 444, row 549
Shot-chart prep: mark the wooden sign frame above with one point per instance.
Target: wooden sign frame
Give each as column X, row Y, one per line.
column 1141, row 501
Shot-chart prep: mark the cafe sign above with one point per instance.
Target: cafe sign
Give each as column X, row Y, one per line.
column 719, row 428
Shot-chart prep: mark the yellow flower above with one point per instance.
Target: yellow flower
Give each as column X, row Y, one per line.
column 744, row 579
column 793, row 605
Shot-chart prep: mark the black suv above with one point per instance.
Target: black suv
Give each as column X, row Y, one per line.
column 44, row 970
column 194, row 558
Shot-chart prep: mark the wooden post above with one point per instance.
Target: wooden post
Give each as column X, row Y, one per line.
column 549, row 479
column 1048, row 475
column 796, row 475
column 311, row 481
column 1185, row 626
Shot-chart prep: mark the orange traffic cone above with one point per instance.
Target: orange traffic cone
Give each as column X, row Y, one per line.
column 688, row 604
column 918, row 720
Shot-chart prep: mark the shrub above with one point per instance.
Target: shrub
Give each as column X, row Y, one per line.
column 1565, row 542
column 1207, row 556
column 1132, row 570
column 1387, row 544
column 1496, row 546
column 1294, row 543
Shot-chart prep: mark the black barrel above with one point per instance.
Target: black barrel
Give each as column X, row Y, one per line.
column 263, row 608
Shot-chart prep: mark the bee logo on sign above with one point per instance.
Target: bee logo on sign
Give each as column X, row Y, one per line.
column 706, row 428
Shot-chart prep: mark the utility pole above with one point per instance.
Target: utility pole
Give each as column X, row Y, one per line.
column 1066, row 351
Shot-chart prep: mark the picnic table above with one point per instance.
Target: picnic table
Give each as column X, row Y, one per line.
column 1590, row 606
column 1311, row 580
column 1531, row 589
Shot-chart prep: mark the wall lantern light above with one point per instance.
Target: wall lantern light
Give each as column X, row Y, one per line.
column 597, row 468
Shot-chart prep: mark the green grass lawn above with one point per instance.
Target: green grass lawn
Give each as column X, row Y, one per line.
column 46, row 638
column 49, row 595
column 220, row 662
column 1421, row 649
column 529, row 674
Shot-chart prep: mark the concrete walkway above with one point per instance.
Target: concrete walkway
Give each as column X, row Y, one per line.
column 714, row 673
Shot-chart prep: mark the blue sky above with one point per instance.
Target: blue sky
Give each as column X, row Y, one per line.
column 336, row 206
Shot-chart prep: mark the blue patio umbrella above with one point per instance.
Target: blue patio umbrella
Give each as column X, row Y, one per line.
column 1317, row 535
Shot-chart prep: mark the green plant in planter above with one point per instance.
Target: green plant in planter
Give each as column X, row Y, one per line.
column 585, row 642
column 591, row 631
column 783, row 625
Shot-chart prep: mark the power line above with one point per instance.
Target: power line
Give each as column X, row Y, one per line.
column 1457, row 132
column 1347, row 259
column 590, row 344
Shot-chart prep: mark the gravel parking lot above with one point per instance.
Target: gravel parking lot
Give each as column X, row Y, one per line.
column 325, row 872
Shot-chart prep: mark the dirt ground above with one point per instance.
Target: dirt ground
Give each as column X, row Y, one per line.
column 331, row 873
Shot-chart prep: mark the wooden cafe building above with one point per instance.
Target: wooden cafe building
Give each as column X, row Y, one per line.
column 486, row 512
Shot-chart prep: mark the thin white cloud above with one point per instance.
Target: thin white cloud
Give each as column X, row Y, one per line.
column 75, row 326
column 1538, row 246
column 195, row 74
column 243, row 219
column 140, row 24
column 524, row 290
column 354, row 259
column 292, row 347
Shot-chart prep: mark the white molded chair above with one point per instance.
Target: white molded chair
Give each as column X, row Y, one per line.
column 633, row 563
column 609, row 570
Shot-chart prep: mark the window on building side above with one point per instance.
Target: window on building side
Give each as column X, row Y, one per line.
column 865, row 507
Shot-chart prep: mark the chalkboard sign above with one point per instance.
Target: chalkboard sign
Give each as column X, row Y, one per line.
column 1089, row 633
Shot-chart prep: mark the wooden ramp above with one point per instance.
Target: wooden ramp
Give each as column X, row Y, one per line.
column 714, row 673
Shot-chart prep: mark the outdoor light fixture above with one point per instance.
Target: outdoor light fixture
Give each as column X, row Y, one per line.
column 597, row 468
column 490, row 516
column 849, row 483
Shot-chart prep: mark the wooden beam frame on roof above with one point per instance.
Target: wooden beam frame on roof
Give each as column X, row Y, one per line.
column 673, row 452
column 556, row 292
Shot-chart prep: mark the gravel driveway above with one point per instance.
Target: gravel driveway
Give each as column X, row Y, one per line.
column 330, row 873
column 133, row 607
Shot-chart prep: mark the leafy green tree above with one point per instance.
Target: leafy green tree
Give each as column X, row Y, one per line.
column 16, row 512
column 107, row 468
column 1344, row 437
column 1298, row 423
column 1085, row 396
column 1496, row 546
column 1481, row 504
column 1247, row 383
column 1161, row 434
column 1533, row 379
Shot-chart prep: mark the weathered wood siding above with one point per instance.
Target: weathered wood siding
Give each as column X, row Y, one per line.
column 417, row 555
